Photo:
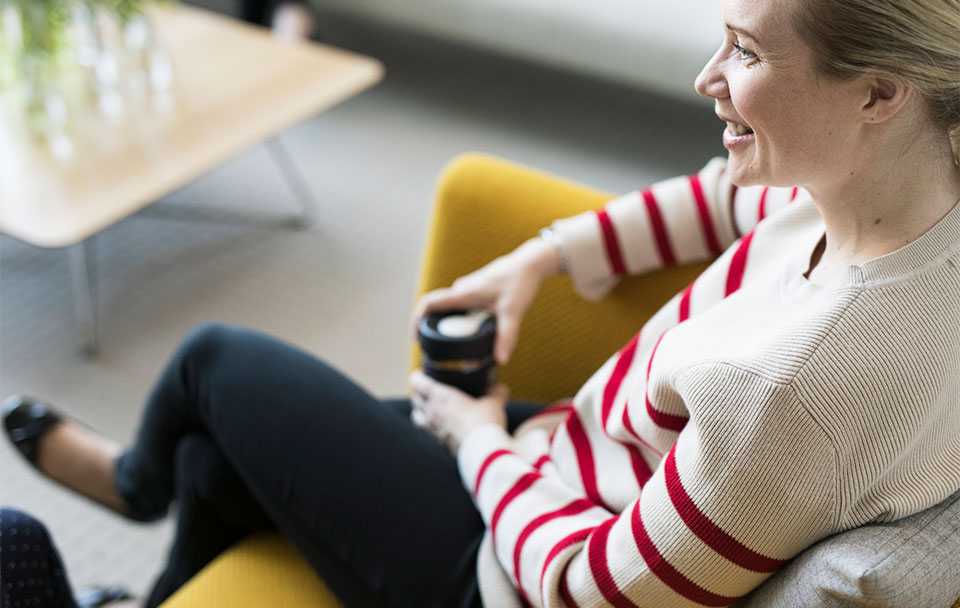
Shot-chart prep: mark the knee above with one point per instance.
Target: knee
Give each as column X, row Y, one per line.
column 208, row 342
column 19, row 527
column 202, row 471
column 206, row 337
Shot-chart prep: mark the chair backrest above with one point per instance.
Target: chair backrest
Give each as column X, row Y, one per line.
column 485, row 208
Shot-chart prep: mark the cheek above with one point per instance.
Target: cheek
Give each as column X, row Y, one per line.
column 768, row 104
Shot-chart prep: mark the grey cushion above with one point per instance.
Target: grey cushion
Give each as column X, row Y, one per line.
column 913, row 562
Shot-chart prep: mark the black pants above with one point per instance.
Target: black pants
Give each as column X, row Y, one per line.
column 31, row 571
column 249, row 434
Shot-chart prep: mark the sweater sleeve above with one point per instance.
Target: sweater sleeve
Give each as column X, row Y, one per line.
column 728, row 505
column 681, row 220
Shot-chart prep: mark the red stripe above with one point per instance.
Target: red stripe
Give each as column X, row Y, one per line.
column 738, row 265
column 483, row 468
column 661, row 419
column 628, row 424
column 612, row 243
column 762, row 209
column 709, row 532
column 624, row 360
column 574, row 537
column 706, row 222
column 541, row 461
column 659, row 230
column 597, row 554
column 518, row 488
column 574, row 508
column 670, row 576
column 793, row 193
column 581, row 445
column 641, row 470
column 685, row 303
column 565, row 591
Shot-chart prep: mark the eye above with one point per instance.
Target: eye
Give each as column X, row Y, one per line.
column 743, row 53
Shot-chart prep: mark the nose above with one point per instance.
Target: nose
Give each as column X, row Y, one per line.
column 711, row 81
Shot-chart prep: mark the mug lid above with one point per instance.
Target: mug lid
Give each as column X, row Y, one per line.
column 457, row 334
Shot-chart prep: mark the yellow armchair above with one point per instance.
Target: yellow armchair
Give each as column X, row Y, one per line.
column 485, row 207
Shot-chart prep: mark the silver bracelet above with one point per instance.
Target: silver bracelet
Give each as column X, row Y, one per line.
column 548, row 236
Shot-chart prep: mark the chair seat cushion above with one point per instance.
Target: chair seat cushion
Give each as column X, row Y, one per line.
column 914, row 561
column 264, row 570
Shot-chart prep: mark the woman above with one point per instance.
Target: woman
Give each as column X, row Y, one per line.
column 806, row 383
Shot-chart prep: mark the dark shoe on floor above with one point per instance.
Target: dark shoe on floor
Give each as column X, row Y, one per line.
column 25, row 421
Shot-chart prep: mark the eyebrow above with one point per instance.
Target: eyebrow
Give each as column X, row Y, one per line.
column 742, row 31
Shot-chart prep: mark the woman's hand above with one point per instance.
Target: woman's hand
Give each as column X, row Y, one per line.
column 449, row 413
column 506, row 287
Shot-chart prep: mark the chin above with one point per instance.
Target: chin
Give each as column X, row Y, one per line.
column 744, row 177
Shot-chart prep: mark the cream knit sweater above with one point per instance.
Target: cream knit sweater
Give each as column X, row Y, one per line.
column 755, row 414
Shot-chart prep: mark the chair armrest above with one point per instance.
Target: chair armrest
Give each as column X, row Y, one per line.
column 486, row 207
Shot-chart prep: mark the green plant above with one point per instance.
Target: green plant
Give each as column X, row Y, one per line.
column 42, row 25
column 125, row 10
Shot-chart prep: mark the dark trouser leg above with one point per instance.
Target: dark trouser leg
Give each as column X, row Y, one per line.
column 375, row 504
column 214, row 511
column 31, row 571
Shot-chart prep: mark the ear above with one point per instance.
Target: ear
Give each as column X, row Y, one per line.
column 884, row 97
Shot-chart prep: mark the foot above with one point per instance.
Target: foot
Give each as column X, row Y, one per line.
column 83, row 461
column 293, row 22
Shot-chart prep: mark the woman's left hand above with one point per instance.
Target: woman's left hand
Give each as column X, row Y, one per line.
column 449, row 413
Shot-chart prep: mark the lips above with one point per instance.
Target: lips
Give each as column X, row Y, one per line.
column 737, row 134
column 736, row 127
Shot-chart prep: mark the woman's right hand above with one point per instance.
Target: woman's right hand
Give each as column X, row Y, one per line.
column 506, row 287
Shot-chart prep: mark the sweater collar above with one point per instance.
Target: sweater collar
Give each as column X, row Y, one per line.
column 939, row 242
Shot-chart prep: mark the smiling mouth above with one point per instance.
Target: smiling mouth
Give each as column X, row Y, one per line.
column 738, row 129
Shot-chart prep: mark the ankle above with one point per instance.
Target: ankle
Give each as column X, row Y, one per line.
column 82, row 461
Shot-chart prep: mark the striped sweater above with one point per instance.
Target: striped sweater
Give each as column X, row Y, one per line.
column 756, row 413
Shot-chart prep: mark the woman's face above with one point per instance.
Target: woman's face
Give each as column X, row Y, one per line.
column 762, row 77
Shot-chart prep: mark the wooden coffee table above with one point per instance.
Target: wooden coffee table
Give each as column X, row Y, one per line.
column 234, row 86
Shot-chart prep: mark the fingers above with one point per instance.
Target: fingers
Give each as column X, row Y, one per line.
column 417, row 415
column 421, row 383
column 506, row 338
column 441, row 299
column 500, row 392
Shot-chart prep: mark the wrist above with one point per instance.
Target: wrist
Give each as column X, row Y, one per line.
column 544, row 255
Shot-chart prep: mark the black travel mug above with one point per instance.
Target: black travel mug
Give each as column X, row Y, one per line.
column 457, row 349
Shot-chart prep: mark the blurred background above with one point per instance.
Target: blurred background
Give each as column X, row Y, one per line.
column 599, row 92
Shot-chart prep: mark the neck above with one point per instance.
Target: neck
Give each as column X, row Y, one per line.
column 886, row 202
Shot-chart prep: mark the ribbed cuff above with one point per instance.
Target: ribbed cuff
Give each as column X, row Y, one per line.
column 478, row 444
column 582, row 243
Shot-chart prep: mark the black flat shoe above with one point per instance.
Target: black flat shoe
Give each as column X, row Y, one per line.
column 94, row 597
column 26, row 421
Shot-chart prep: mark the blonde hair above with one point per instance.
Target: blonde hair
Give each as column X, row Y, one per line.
column 915, row 40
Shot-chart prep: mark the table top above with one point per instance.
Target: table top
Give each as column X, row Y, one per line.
column 234, row 85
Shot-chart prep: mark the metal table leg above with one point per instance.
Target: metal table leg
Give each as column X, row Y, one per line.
column 83, row 274
column 295, row 180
